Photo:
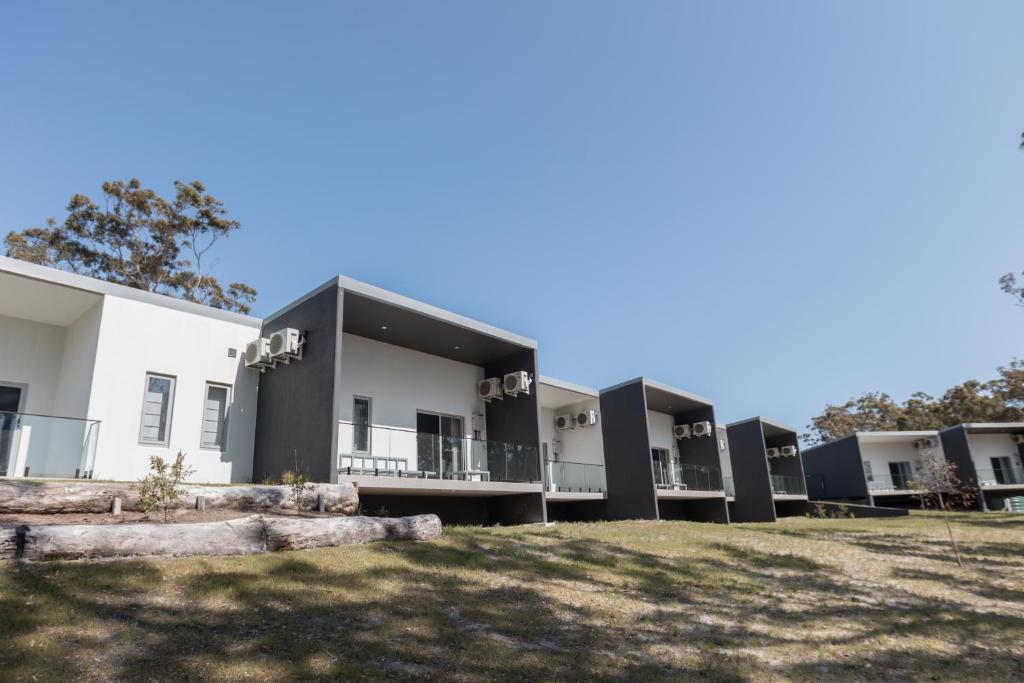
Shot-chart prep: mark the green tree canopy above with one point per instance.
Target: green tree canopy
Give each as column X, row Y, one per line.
column 997, row 400
column 142, row 240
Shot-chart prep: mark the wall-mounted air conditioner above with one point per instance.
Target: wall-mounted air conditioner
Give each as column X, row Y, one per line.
column 1017, row 438
column 518, row 383
column 681, row 431
column 788, row 451
column 702, row 428
column 563, row 422
column 257, row 354
column 772, row 452
column 285, row 344
column 586, row 418
column 489, row 389
column 925, row 443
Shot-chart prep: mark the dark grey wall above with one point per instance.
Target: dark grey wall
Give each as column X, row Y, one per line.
column 957, row 448
column 834, row 471
column 754, row 502
column 789, row 467
column 516, row 509
column 702, row 510
column 701, row 451
column 577, row 511
column 516, row 420
column 627, row 453
column 297, row 403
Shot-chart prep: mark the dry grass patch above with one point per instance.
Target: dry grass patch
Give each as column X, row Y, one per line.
column 804, row 599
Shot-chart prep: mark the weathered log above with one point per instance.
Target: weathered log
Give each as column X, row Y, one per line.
column 296, row 533
column 8, row 542
column 243, row 536
column 39, row 497
column 342, row 498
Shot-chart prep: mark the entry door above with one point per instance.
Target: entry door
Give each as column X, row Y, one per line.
column 1002, row 469
column 10, row 403
column 901, row 474
column 439, row 442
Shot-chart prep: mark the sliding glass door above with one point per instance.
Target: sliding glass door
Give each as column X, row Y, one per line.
column 440, row 444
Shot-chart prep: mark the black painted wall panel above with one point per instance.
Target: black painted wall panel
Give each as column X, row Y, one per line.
column 297, row 407
column 834, row 471
column 627, row 453
column 754, row 502
column 701, row 510
column 956, row 446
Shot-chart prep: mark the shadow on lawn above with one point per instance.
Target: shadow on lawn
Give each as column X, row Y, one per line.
column 475, row 606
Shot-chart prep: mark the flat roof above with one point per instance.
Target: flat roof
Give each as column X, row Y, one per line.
column 662, row 397
column 992, row 427
column 770, row 427
column 894, row 437
column 83, row 283
column 556, row 393
column 371, row 294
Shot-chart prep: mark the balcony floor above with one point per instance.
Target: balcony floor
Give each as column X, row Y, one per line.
column 789, row 496
column 436, row 487
column 570, row 496
column 684, row 494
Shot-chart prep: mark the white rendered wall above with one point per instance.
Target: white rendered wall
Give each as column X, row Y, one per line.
column 583, row 445
column 659, row 430
column 399, row 383
column 984, row 447
column 881, row 454
column 722, row 437
column 136, row 338
column 31, row 354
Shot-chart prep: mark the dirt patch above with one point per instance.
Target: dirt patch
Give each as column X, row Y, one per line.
column 175, row 517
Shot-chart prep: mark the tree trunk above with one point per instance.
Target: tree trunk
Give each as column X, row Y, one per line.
column 285, row 533
column 243, row 536
column 38, row 497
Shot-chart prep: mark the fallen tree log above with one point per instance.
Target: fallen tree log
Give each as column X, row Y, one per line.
column 243, row 536
column 48, row 497
column 8, row 542
column 285, row 533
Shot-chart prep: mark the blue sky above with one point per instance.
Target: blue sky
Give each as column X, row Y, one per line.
column 776, row 205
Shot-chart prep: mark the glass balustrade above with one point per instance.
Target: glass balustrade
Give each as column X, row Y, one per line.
column 47, row 446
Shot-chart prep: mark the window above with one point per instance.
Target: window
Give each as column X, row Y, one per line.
column 361, row 425
column 157, row 402
column 1003, row 470
column 215, row 416
column 868, row 474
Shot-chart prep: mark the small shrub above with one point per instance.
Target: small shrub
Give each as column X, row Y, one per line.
column 298, row 482
column 820, row 511
column 268, row 481
column 844, row 511
column 159, row 489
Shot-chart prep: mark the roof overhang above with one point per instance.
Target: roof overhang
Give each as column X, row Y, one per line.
column 993, row 427
column 53, row 296
column 769, row 427
column 894, row 437
column 555, row 393
column 662, row 398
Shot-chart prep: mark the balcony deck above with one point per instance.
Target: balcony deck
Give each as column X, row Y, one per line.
column 414, row 486
column 688, row 494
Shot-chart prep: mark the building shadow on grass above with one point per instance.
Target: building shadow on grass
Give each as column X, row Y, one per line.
column 476, row 605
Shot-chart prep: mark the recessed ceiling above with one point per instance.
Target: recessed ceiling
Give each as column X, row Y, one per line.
column 43, row 302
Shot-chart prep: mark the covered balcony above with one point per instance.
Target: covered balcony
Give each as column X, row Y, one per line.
column 572, row 446
column 49, row 334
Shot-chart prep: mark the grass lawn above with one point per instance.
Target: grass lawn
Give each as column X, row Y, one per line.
column 803, row 599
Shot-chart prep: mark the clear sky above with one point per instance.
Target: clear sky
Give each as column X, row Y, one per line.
column 775, row 205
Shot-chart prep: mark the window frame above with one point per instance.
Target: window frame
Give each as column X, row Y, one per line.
column 369, row 424
column 170, row 409
column 224, row 420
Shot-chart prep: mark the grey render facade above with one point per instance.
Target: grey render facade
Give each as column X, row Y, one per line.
column 386, row 396
column 651, row 474
column 765, row 487
column 988, row 456
column 870, row 468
